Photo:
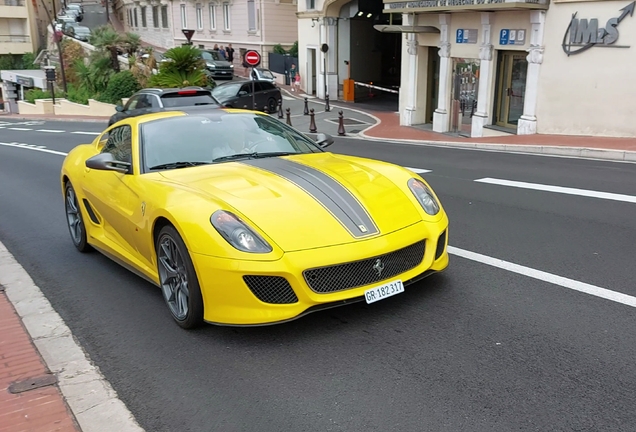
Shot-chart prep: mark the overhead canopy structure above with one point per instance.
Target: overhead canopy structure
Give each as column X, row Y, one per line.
column 387, row 28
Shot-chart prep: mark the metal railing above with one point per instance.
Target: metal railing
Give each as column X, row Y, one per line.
column 11, row 2
column 15, row 38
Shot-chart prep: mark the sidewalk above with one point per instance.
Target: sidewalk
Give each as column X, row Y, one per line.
column 30, row 399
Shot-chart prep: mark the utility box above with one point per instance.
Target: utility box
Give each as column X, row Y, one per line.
column 348, row 90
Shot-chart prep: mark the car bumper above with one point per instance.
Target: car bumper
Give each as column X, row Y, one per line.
column 222, row 73
column 229, row 300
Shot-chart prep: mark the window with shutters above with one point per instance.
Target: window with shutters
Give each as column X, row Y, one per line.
column 155, row 16
column 164, row 16
column 226, row 16
column 251, row 15
column 144, row 23
column 184, row 17
column 199, row 17
column 212, row 16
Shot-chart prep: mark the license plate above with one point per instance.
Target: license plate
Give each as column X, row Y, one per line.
column 383, row 291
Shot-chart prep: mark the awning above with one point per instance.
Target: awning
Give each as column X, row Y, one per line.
column 384, row 28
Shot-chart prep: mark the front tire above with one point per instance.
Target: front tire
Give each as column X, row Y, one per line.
column 272, row 105
column 75, row 221
column 178, row 280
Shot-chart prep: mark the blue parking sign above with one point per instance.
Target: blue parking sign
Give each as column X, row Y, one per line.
column 460, row 36
column 504, row 34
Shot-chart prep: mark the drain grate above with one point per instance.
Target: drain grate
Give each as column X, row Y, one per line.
column 32, row 383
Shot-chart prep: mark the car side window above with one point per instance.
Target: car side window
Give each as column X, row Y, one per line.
column 267, row 86
column 119, row 143
column 247, row 88
column 154, row 101
column 143, row 102
column 132, row 103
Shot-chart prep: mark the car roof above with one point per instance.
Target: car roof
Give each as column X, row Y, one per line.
column 162, row 91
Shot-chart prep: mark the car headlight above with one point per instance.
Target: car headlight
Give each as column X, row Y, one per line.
column 424, row 196
column 237, row 233
column 232, row 66
column 211, row 66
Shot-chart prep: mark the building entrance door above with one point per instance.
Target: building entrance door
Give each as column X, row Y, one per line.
column 432, row 87
column 512, row 70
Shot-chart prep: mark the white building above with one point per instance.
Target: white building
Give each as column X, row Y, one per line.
column 246, row 24
column 489, row 67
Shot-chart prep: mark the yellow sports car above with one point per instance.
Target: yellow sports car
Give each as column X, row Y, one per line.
column 242, row 220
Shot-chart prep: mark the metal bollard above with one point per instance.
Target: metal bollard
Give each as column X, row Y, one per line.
column 265, row 110
column 280, row 109
column 306, row 112
column 312, row 122
column 288, row 116
column 327, row 108
column 341, row 129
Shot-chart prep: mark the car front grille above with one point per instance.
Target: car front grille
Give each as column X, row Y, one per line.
column 271, row 289
column 354, row 274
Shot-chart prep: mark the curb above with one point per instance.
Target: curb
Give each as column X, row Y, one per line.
column 90, row 397
column 529, row 149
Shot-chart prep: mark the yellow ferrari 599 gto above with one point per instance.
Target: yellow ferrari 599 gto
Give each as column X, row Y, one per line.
column 242, row 220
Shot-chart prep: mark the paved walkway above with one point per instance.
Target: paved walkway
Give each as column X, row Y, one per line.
column 23, row 406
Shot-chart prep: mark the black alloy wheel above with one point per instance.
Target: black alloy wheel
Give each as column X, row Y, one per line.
column 178, row 280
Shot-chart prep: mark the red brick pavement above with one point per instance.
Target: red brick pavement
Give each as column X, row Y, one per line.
column 390, row 128
column 39, row 410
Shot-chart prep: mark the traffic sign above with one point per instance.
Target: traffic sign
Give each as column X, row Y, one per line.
column 252, row 58
column 504, row 35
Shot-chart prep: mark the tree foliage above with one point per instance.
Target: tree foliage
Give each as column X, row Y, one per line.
column 184, row 67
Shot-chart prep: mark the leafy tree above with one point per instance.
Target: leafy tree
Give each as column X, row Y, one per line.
column 184, row 67
column 121, row 85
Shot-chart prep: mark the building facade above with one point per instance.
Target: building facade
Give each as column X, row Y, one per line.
column 484, row 69
column 23, row 25
column 246, row 24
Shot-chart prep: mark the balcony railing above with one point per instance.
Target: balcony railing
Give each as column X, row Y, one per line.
column 11, row 2
column 15, row 38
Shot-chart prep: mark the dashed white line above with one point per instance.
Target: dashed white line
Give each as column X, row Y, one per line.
column 418, row 170
column 559, row 189
column 34, row 148
column 50, row 130
column 546, row 277
column 20, row 129
column 85, row 133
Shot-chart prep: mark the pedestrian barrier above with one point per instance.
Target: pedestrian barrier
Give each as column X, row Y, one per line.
column 370, row 86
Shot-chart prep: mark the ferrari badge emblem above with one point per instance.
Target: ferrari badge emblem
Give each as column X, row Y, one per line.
column 143, row 208
column 378, row 267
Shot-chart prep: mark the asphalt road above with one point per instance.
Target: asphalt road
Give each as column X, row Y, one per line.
column 477, row 348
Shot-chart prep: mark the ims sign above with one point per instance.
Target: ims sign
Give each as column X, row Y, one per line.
column 583, row 34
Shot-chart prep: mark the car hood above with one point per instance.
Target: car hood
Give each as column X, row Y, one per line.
column 308, row 201
column 218, row 63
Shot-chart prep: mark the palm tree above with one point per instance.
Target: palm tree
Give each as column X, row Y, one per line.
column 132, row 41
column 184, row 67
column 105, row 38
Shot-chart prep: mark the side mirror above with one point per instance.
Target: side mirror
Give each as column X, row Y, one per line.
column 106, row 162
column 242, row 93
column 119, row 108
column 324, row 140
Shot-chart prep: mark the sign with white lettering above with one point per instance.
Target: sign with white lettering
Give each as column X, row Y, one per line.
column 512, row 37
column 582, row 34
column 451, row 4
column 466, row 36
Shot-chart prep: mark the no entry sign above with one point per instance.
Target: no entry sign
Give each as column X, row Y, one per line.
column 252, row 58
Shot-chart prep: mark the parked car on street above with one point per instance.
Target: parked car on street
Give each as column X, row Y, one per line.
column 62, row 21
column 239, row 95
column 261, row 74
column 78, row 32
column 217, row 65
column 153, row 100
column 76, row 7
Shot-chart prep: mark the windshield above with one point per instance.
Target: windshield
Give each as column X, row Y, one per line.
column 172, row 100
column 196, row 139
column 265, row 73
column 210, row 55
column 226, row 91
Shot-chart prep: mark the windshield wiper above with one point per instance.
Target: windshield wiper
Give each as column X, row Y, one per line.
column 252, row 156
column 204, row 103
column 178, row 165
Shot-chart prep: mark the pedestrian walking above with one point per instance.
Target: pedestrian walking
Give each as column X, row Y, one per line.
column 230, row 53
column 292, row 75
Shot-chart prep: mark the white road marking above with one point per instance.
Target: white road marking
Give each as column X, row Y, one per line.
column 36, row 148
column 546, row 277
column 288, row 98
column 86, row 133
column 50, row 130
column 559, row 189
column 418, row 170
column 2, row 127
column 20, row 129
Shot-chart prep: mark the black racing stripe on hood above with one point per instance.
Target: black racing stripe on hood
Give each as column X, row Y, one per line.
column 324, row 189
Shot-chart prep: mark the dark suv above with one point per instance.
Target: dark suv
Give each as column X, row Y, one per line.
column 239, row 95
column 216, row 65
column 152, row 100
